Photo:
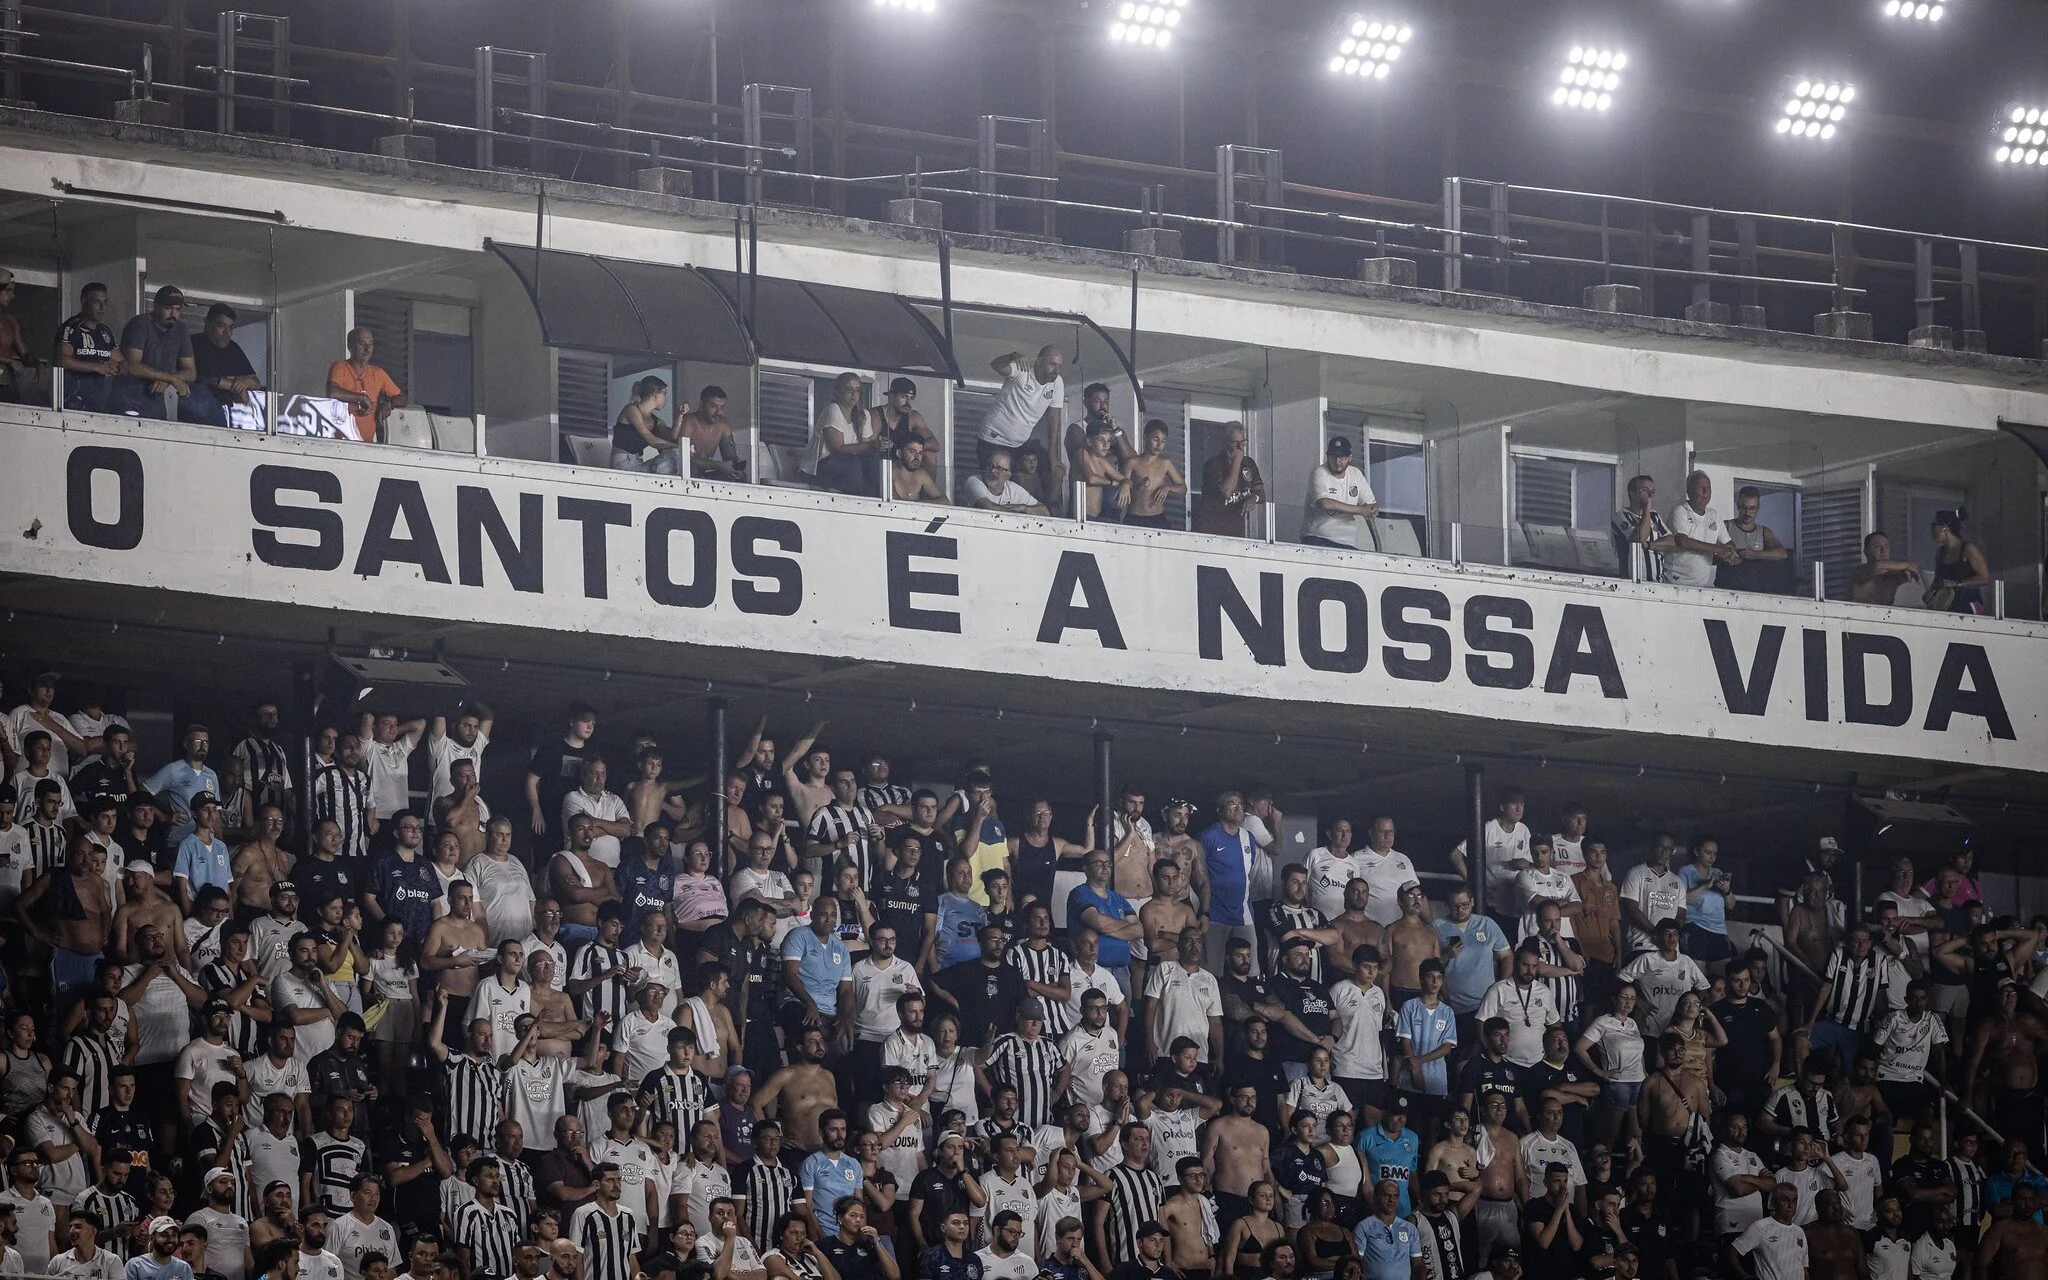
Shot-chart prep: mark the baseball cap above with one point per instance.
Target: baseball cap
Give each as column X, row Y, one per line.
column 168, row 295
column 282, row 888
column 1435, row 1178
column 1031, row 1008
column 139, row 867
column 204, row 798
column 216, row 1006
column 276, row 1183
column 168, row 1223
column 1151, row 1227
column 902, row 387
column 49, row 678
column 1340, row 445
column 1829, row 842
column 213, row 1175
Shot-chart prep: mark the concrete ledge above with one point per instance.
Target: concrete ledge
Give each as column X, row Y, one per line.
column 665, row 180
column 407, row 146
column 1855, row 326
column 1155, row 242
column 929, row 214
column 1709, row 313
column 1972, row 340
column 1936, row 337
column 1615, row 299
column 1751, row 318
column 1394, row 271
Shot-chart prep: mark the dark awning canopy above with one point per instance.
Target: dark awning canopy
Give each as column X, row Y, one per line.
column 2035, row 438
column 628, row 308
column 622, row 307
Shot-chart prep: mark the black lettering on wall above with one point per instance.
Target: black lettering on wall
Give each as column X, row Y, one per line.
column 1519, row 672
column 1857, row 708
column 1745, row 695
column 477, row 517
column 1094, row 613
column 1435, row 665
column 1981, row 699
column 124, row 531
column 1217, row 597
column 749, row 535
column 1354, row 647
column 1583, row 648
column 662, row 525
column 267, row 484
column 905, row 582
column 381, row 543
column 1813, row 648
column 596, row 518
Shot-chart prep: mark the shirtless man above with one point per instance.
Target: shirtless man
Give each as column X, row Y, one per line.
column 72, row 913
column 1239, row 1149
column 1503, row 1183
column 1664, row 1109
column 804, row 771
column 457, row 950
column 579, row 881
column 1174, row 841
column 647, row 794
column 2017, row 1247
column 1348, row 932
column 462, row 810
column 259, row 864
column 1131, row 863
column 1096, row 467
column 2013, row 1043
column 1834, row 1250
column 805, row 1090
column 708, row 985
column 1167, row 913
column 553, row 1011
column 1457, row 1161
column 1409, row 941
column 1153, row 478
column 1190, row 1222
column 147, row 905
column 910, row 480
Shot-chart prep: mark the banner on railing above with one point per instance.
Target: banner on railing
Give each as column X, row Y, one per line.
column 399, row 533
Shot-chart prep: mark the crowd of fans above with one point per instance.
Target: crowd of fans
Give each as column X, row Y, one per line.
column 827, row 1026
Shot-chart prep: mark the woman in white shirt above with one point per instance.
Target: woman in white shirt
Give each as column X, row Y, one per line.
column 1315, row 1093
column 844, row 447
column 1618, row 1066
column 952, row 1078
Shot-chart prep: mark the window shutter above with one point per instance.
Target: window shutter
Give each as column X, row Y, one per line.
column 1831, row 531
column 390, row 319
column 969, row 408
column 785, row 409
column 582, row 391
column 1543, row 491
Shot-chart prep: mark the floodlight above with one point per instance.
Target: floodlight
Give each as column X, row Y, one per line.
column 2020, row 135
column 1814, row 108
column 1147, row 22
column 1590, row 78
column 1914, row 10
column 909, row 6
column 1367, row 48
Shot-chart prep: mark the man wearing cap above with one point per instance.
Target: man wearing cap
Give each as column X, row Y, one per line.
column 156, row 357
column 1387, row 1243
column 161, row 1261
column 206, row 1062
column 1339, row 495
column 1150, row 1261
column 271, row 934
column 899, row 423
column 227, row 1232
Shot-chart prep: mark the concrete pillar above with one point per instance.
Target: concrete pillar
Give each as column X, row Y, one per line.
column 1752, row 318
column 1615, row 299
column 929, row 214
column 407, row 146
column 1394, row 271
column 1154, row 242
column 1293, row 403
column 1853, row 326
column 1971, row 340
column 1467, row 471
column 1652, row 439
column 666, row 180
column 1709, row 313
column 147, row 111
column 1935, row 337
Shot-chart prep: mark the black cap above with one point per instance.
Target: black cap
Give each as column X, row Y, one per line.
column 1435, row 1178
column 902, row 387
column 169, row 295
column 1151, row 1227
column 1340, row 445
column 202, row 798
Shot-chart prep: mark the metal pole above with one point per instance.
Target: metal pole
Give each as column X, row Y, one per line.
column 714, row 714
column 1457, row 543
column 713, row 42
column 888, row 479
column 1104, row 788
column 1475, row 834
column 1702, row 257
column 1998, row 597
column 1923, row 283
column 1820, row 580
column 1080, row 499
column 1454, row 243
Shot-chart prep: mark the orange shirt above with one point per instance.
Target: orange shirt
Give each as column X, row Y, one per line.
column 372, row 383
